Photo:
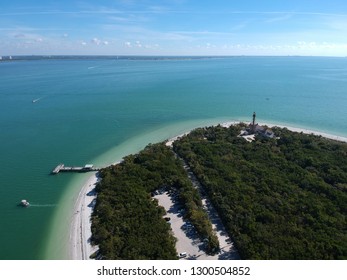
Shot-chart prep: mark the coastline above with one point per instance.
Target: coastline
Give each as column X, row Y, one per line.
column 80, row 247
column 80, row 227
column 309, row 131
column 293, row 129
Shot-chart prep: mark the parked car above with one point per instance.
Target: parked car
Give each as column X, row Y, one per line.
column 182, row 255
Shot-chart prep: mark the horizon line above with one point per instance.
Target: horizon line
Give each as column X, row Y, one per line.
column 12, row 56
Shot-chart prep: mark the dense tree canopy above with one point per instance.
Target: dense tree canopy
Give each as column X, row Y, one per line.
column 280, row 198
column 127, row 223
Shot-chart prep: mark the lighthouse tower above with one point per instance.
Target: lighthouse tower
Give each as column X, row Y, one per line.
column 253, row 123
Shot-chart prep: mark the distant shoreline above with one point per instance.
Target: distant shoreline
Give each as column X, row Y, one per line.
column 80, row 247
column 12, row 58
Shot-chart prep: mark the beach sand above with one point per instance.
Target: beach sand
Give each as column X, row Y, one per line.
column 308, row 131
column 80, row 229
column 80, row 247
column 296, row 129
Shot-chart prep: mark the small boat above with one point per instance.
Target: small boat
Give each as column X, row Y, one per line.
column 24, row 203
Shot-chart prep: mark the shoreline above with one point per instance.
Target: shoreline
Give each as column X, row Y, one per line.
column 80, row 247
column 309, row 131
column 293, row 129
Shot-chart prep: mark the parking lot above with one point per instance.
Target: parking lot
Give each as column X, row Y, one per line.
column 188, row 241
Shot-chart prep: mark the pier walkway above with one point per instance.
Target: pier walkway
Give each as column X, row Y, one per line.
column 62, row 168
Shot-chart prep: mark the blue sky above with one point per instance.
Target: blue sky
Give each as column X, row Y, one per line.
column 173, row 27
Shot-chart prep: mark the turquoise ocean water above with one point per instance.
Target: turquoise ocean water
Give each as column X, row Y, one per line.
column 99, row 110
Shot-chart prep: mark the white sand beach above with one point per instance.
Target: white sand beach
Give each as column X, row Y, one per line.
column 294, row 129
column 308, row 131
column 80, row 230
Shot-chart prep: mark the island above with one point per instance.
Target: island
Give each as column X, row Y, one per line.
column 278, row 194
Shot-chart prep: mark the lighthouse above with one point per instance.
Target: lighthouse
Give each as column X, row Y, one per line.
column 253, row 123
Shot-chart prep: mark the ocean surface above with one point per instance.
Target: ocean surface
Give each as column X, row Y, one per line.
column 78, row 111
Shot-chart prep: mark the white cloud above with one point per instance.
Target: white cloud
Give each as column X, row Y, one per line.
column 96, row 41
column 138, row 44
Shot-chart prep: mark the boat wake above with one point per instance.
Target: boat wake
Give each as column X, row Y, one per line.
column 43, row 205
column 37, row 99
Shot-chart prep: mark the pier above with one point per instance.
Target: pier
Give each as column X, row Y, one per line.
column 62, row 168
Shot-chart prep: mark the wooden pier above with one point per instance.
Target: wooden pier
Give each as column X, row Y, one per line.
column 62, row 168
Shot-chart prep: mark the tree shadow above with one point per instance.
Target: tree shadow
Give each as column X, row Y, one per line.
column 92, row 192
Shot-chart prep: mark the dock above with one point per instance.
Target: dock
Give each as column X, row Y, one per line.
column 62, row 168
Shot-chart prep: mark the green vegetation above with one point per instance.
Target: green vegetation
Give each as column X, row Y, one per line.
column 278, row 198
column 282, row 198
column 127, row 223
column 190, row 199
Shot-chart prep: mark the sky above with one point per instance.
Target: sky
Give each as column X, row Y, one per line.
column 173, row 27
